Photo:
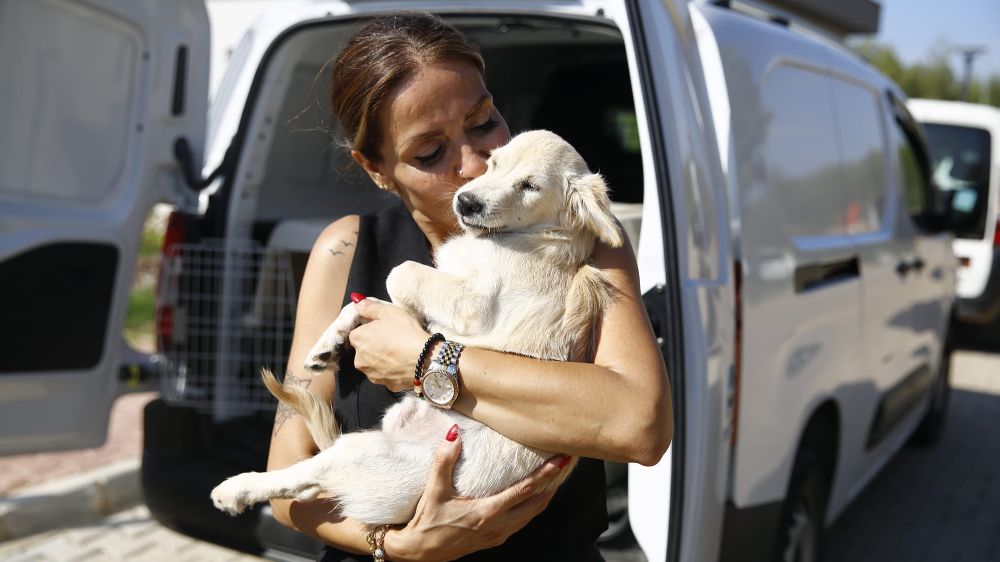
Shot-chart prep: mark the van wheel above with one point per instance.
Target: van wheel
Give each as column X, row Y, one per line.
column 800, row 537
column 928, row 433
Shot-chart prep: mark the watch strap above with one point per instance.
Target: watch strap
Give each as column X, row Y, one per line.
column 448, row 355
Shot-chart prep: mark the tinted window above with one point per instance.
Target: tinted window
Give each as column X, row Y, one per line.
column 910, row 176
column 960, row 158
column 859, row 123
column 801, row 161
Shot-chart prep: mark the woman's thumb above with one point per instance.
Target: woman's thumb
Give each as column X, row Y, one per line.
column 443, row 470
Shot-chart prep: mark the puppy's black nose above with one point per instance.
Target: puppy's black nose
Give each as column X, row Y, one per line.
column 468, row 205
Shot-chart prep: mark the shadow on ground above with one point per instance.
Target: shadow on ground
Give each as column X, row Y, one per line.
column 940, row 503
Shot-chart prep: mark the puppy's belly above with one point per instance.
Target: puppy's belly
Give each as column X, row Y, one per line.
column 489, row 463
column 416, row 419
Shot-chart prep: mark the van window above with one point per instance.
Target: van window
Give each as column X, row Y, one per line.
column 960, row 159
column 52, row 111
column 862, row 155
column 801, row 164
column 910, row 175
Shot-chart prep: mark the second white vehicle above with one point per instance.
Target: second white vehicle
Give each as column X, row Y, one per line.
column 966, row 162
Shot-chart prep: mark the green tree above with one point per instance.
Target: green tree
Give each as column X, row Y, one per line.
column 932, row 78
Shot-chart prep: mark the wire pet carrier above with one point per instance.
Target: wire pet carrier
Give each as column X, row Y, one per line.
column 225, row 311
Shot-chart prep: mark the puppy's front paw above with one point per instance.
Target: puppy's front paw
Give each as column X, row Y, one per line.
column 233, row 495
column 325, row 352
column 333, row 340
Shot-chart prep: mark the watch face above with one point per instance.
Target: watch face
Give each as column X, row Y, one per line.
column 438, row 387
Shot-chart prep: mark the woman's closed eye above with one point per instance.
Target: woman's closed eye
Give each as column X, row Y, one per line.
column 486, row 126
column 431, row 158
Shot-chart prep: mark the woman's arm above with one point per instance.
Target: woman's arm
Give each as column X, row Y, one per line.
column 445, row 526
column 618, row 408
column 320, row 296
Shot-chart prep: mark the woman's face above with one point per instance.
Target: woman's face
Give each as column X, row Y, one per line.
column 438, row 129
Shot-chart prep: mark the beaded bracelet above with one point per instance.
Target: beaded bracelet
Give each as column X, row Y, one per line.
column 418, row 372
column 376, row 542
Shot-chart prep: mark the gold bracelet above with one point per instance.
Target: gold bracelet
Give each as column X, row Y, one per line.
column 376, row 540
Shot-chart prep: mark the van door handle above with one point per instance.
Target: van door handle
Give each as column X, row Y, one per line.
column 905, row 266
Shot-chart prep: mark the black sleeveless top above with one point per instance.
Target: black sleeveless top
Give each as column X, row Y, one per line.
column 576, row 516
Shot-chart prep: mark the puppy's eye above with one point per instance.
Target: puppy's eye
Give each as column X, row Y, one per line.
column 526, row 185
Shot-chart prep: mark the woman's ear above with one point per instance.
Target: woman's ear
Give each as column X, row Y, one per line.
column 373, row 170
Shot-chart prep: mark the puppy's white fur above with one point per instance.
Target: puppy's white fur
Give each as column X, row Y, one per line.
column 517, row 280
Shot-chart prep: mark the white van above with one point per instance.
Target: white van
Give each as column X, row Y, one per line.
column 792, row 258
column 966, row 156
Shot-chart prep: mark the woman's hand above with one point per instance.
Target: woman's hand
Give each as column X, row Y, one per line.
column 447, row 526
column 387, row 345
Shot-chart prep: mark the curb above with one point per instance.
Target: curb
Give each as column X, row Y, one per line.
column 68, row 501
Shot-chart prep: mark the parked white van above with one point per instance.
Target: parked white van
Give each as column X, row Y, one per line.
column 792, row 256
column 965, row 156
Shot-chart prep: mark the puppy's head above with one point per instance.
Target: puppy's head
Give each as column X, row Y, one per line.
column 537, row 182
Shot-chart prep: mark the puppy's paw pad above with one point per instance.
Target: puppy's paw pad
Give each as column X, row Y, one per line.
column 324, row 354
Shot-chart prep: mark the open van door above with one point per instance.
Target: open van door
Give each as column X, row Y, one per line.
column 95, row 95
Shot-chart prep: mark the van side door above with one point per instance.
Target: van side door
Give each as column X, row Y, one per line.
column 95, row 94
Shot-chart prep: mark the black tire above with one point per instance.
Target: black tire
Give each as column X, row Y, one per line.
column 801, row 534
column 928, row 433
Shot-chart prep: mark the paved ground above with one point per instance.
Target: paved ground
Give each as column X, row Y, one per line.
column 940, row 504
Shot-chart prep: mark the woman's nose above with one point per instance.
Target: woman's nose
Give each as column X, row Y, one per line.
column 472, row 164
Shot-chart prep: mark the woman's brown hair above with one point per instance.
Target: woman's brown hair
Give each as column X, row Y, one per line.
column 386, row 51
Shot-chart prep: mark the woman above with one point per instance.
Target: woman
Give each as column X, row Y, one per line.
column 410, row 95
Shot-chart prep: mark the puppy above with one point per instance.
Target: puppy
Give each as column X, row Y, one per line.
column 516, row 280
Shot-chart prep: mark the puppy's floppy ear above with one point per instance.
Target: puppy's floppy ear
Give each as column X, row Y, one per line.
column 590, row 208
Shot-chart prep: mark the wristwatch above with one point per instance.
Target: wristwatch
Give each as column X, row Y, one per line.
column 440, row 381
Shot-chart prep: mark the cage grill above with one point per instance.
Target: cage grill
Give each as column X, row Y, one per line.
column 225, row 311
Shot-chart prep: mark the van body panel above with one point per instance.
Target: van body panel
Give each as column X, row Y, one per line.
column 96, row 94
column 781, row 160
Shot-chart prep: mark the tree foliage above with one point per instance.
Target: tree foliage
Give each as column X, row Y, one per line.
column 933, row 78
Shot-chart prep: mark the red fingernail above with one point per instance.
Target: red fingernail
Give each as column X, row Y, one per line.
column 452, row 433
column 357, row 297
column 564, row 462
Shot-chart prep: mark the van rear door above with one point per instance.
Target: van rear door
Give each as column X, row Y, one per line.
column 95, row 95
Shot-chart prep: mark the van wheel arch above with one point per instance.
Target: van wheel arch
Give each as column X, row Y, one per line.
column 802, row 524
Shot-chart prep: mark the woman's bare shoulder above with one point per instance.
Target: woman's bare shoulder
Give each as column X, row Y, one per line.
column 339, row 238
column 325, row 280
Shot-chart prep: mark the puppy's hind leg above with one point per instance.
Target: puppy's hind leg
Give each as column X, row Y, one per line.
column 372, row 476
column 301, row 481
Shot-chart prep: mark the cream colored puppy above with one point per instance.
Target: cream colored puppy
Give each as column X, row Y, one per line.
column 516, row 280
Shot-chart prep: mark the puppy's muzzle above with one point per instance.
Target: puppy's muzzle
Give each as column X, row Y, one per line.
column 469, row 205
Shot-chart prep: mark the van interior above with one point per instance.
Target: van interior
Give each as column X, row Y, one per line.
column 295, row 177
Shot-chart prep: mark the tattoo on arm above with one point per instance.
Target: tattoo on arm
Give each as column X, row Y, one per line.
column 343, row 244
column 285, row 412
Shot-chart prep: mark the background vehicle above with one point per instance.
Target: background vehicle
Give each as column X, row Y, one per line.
column 964, row 156
column 791, row 253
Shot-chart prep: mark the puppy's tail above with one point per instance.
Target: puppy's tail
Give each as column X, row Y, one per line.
column 317, row 414
column 589, row 296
